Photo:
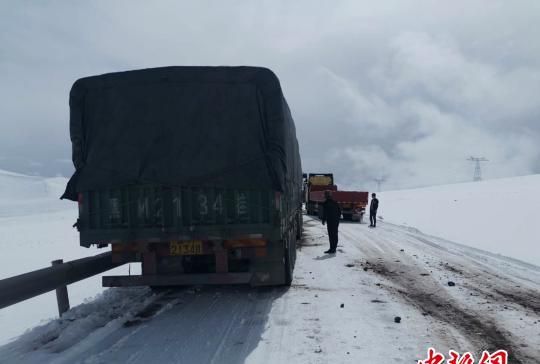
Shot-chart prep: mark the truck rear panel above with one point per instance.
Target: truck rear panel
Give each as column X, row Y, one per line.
column 191, row 234
column 157, row 213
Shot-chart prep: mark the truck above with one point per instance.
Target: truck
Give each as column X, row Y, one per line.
column 194, row 172
column 353, row 203
column 317, row 182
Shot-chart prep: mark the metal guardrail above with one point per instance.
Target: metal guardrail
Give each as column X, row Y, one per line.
column 22, row 287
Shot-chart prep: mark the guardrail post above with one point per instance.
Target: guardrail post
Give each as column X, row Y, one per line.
column 61, row 293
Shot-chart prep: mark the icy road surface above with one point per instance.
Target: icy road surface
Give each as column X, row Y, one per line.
column 340, row 309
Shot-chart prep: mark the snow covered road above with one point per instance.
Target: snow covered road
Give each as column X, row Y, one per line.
column 340, row 309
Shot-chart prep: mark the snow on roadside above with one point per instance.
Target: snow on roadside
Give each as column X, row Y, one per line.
column 378, row 274
column 24, row 195
column 341, row 308
column 499, row 216
column 35, row 229
column 108, row 311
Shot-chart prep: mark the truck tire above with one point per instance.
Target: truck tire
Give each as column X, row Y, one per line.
column 288, row 262
column 288, row 269
column 299, row 223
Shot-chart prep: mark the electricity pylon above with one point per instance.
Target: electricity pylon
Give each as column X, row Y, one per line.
column 477, row 170
column 379, row 182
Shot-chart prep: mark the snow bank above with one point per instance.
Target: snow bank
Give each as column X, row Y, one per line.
column 25, row 195
column 16, row 185
column 36, row 228
column 107, row 312
column 500, row 216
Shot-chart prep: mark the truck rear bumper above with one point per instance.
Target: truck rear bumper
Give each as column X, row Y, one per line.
column 177, row 280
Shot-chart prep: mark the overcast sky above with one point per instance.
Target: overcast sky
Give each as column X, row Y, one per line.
column 406, row 90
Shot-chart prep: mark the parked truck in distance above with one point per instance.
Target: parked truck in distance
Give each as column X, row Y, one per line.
column 193, row 171
column 353, row 203
column 317, row 182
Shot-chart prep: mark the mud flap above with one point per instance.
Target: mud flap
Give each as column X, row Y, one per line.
column 269, row 271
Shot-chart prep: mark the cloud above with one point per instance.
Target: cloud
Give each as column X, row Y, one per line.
column 404, row 89
column 428, row 106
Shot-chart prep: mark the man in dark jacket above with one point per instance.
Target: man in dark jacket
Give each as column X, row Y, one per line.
column 373, row 210
column 330, row 216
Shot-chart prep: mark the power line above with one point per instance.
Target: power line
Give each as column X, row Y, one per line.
column 379, row 182
column 477, row 170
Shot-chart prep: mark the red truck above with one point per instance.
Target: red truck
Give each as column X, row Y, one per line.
column 317, row 182
column 353, row 203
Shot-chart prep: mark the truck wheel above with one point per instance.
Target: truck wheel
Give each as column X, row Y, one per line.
column 288, row 268
column 299, row 222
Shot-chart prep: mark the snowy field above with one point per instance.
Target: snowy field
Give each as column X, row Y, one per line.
column 500, row 216
column 340, row 309
column 35, row 229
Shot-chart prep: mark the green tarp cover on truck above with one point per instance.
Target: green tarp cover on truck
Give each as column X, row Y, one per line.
column 220, row 126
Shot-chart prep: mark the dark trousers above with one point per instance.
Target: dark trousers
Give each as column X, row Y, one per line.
column 333, row 235
column 373, row 218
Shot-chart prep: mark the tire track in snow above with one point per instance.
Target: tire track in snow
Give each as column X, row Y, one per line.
column 481, row 330
column 430, row 298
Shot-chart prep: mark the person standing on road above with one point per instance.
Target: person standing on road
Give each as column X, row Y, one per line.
column 373, row 206
column 330, row 216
